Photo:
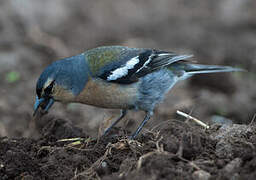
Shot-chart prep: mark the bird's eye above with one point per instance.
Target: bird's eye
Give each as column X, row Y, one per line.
column 48, row 90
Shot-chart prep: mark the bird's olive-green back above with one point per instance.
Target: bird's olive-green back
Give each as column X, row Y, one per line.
column 99, row 57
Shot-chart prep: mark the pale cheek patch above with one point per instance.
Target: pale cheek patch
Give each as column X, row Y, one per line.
column 123, row 71
column 48, row 82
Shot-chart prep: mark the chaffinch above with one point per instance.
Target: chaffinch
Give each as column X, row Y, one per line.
column 117, row 77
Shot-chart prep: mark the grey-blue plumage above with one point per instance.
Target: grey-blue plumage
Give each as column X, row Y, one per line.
column 153, row 88
column 71, row 73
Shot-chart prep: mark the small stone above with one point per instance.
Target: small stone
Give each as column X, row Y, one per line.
column 201, row 175
column 104, row 164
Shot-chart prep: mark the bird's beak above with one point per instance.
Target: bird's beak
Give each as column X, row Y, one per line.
column 44, row 103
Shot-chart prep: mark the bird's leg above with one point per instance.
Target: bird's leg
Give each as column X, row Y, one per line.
column 122, row 115
column 145, row 120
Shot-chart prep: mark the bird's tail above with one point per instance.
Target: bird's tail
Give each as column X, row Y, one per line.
column 192, row 69
column 185, row 70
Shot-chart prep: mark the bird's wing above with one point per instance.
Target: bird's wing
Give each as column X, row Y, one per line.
column 125, row 65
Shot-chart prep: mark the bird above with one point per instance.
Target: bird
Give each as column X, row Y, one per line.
column 117, row 77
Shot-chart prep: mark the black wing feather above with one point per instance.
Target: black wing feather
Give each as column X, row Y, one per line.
column 148, row 60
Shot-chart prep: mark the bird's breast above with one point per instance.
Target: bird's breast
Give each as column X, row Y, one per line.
column 108, row 95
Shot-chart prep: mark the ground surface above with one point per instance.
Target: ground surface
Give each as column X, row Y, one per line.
column 35, row 33
column 172, row 150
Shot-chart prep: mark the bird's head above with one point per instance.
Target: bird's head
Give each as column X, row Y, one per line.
column 61, row 81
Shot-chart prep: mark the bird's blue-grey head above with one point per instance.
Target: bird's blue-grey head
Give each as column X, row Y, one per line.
column 60, row 81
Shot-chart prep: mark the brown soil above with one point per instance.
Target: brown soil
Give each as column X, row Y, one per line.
column 173, row 150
